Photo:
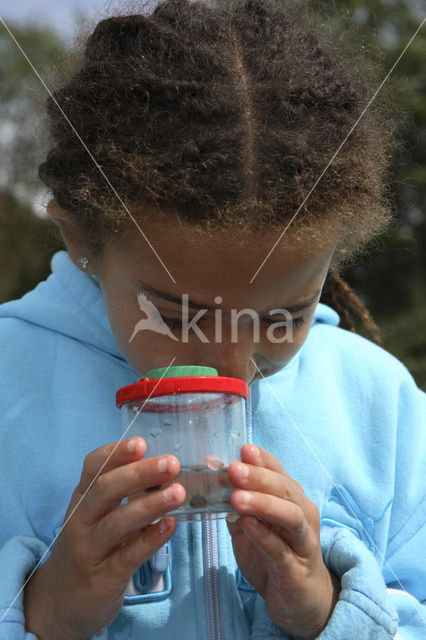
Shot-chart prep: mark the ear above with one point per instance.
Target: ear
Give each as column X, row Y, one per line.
column 71, row 234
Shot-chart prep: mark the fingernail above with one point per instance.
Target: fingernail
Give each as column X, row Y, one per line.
column 232, row 517
column 169, row 494
column 244, row 470
column 244, row 497
column 162, row 465
column 255, row 451
column 163, row 525
column 249, row 524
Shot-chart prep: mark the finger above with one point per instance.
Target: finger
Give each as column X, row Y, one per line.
column 110, row 488
column 262, row 480
column 128, row 558
column 261, row 458
column 108, row 457
column 272, row 547
column 288, row 517
column 121, row 523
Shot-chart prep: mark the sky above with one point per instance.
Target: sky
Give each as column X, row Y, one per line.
column 63, row 13
column 60, row 13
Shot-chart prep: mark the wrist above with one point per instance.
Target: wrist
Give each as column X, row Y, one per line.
column 39, row 611
column 333, row 597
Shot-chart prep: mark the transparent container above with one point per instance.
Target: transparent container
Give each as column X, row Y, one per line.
column 201, row 419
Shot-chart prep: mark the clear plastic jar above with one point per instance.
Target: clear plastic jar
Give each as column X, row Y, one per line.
column 201, row 419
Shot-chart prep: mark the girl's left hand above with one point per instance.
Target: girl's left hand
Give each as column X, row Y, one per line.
column 276, row 543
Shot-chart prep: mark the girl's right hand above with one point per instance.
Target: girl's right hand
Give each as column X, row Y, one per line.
column 104, row 542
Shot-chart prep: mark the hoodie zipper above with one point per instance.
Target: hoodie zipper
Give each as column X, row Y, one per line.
column 249, row 423
column 211, row 560
column 211, row 579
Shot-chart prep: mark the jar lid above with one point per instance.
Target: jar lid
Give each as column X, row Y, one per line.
column 182, row 370
column 181, row 382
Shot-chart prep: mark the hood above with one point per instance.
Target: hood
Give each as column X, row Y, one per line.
column 70, row 302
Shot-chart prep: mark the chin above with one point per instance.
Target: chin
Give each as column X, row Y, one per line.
column 264, row 374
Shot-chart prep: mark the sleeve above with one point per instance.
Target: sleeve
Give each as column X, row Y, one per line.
column 385, row 598
column 263, row 627
column 404, row 568
column 364, row 609
column 367, row 609
column 381, row 598
column 18, row 557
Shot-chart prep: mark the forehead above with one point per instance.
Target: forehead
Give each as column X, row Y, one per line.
column 183, row 259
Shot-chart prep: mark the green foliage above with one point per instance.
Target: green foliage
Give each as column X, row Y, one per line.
column 391, row 276
column 389, row 25
column 22, row 132
column 25, row 257
column 27, row 241
column 405, row 337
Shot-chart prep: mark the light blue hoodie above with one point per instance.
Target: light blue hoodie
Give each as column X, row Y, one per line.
column 344, row 417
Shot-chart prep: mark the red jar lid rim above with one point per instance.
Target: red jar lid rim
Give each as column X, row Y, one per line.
column 168, row 386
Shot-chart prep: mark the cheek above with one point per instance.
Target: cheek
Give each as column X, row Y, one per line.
column 122, row 319
column 147, row 352
column 124, row 315
column 143, row 349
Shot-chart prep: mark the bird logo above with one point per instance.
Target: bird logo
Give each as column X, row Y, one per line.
column 153, row 320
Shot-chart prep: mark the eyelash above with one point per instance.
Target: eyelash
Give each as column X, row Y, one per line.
column 174, row 323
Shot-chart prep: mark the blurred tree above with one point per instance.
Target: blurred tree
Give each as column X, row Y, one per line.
column 395, row 21
column 25, row 257
column 22, row 130
column 391, row 278
column 26, row 240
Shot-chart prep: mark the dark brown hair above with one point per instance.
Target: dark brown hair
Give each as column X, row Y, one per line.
column 227, row 113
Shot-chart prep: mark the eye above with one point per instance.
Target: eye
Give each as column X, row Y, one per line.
column 296, row 322
column 176, row 324
column 299, row 322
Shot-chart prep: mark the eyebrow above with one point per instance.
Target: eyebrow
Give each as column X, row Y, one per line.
column 198, row 305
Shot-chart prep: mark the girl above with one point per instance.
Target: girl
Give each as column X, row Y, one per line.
column 202, row 130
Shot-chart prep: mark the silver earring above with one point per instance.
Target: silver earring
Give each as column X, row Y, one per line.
column 83, row 262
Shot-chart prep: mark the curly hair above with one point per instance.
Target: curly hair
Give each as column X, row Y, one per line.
column 227, row 112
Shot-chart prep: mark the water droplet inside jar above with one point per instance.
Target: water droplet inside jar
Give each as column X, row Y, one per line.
column 155, row 433
column 213, row 462
column 178, row 447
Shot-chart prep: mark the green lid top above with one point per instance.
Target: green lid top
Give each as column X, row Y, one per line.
column 177, row 372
